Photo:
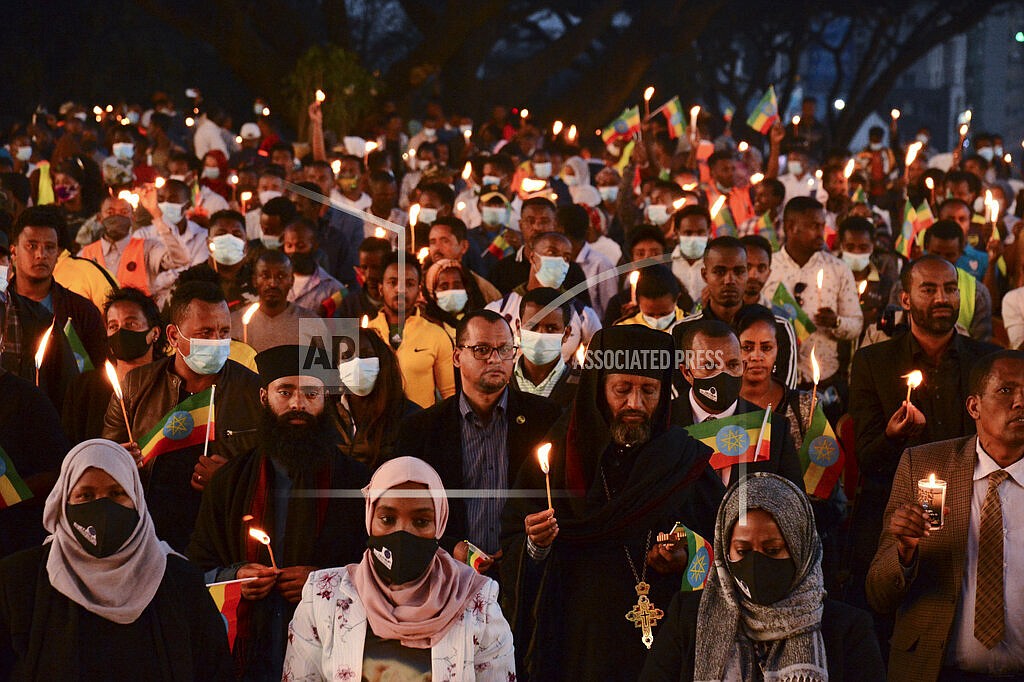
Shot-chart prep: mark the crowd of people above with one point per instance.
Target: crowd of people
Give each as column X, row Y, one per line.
column 506, row 479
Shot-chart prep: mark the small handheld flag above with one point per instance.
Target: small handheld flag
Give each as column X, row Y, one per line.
column 12, row 488
column 227, row 596
column 622, row 127
column 82, row 359
column 765, row 113
column 821, row 456
column 700, row 556
column 476, row 557
column 500, row 248
column 184, row 426
column 673, row 113
column 802, row 324
column 743, row 438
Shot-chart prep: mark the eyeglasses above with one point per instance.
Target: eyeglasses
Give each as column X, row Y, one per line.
column 483, row 351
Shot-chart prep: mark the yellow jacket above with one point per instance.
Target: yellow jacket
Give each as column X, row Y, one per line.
column 425, row 357
column 84, row 277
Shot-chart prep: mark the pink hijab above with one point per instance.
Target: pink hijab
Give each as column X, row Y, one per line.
column 420, row 613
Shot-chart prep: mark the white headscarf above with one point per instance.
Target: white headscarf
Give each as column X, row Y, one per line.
column 118, row 587
column 582, row 192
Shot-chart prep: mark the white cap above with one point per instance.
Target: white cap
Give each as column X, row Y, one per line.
column 250, row 131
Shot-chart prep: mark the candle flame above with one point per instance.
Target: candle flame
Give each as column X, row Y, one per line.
column 365, row 322
column 159, row 182
column 467, row 171
column 556, row 127
column 336, row 166
column 581, row 354
column 238, row 139
column 756, row 178
column 531, row 185
column 380, row 233
column 266, row 111
column 524, row 114
column 320, row 96
column 912, row 151
column 821, row 277
column 246, row 196
column 634, row 277
column 542, row 454
column 929, row 183
column 796, row 120
column 112, row 376
column 131, row 197
column 931, row 479
column 422, row 255
column 963, row 130
column 371, row 146
column 648, row 93
column 742, row 147
column 233, row 179
column 189, row 121
column 914, row 379
column 461, row 206
column 895, row 113
column 719, row 203
column 572, row 133
column 968, row 115
column 694, row 111
column 678, row 203
column 41, row 351
column 862, row 287
column 850, row 166
column 1007, row 158
column 414, row 215
column 249, row 312
column 467, row 134
column 689, row 187
column 815, row 370
column 259, row 536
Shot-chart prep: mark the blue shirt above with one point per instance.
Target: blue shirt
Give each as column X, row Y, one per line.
column 484, row 471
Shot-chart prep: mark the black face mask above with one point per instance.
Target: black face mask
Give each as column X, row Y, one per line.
column 763, row 579
column 401, row 557
column 102, row 525
column 303, row 263
column 718, row 392
column 117, row 226
column 127, row 344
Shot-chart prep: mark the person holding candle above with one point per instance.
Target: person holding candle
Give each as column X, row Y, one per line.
column 647, row 242
column 297, row 448
column 450, row 291
column 276, row 321
column 958, row 591
column 657, row 300
column 540, row 369
column 104, row 598
column 408, row 610
column 722, row 165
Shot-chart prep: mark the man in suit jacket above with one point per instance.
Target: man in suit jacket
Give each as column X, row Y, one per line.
column 480, row 437
column 958, row 591
column 714, row 373
column 884, row 423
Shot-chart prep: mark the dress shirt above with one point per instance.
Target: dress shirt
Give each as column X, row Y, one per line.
column 485, row 470
column 593, row 264
column 546, row 385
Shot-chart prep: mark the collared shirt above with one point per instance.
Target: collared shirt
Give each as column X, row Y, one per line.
column 546, row 385
column 593, row 264
column 701, row 415
column 424, row 356
column 688, row 273
column 807, row 186
column 939, row 396
column 965, row 652
column 582, row 325
column 485, row 469
column 838, row 292
column 112, row 252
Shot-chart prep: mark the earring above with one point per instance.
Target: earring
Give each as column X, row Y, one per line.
column 774, row 367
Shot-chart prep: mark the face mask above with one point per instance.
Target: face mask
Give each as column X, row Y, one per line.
column 128, row 344
column 227, row 249
column 875, row 146
column 270, row 241
column 426, row 216
column 796, row 168
column 923, row 139
column 423, row 164
column 542, row 171
column 430, row 133
column 211, row 172
column 571, row 180
column 719, row 391
column 101, row 526
column 608, row 194
column 180, row 178
column 986, row 153
column 657, row 214
column 257, row 108
column 359, row 375
column 171, row 212
column 452, row 301
column 763, row 579
column 661, row 323
column 65, row 192
column 81, row 116
column 117, row 227
column 266, row 195
column 123, row 150
column 693, row 247
column 303, row 263
column 24, row 153
column 997, row 151
column 207, row 356
column 133, row 118
column 401, row 557
column 857, row 261
column 552, row 271
column 489, row 180
column 540, row 349
column 494, row 215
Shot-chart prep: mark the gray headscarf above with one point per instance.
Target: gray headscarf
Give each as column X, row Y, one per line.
column 738, row 639
column 118, row 587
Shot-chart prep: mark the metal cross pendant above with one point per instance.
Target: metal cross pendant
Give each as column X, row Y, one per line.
column 644, row 615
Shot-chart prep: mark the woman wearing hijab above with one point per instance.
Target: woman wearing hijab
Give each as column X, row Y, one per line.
column 763, row 614
column 103, row 598
column 576, row 174
column 408, row 610
column 450, row 291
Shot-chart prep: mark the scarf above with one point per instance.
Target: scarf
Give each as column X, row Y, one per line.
column 118, row 587
column 781, row 642
column 420, row 613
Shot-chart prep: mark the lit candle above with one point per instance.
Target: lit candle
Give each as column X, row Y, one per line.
column 930, row 184
column 467, row 171
column 246, row 317
column 648, row 94
column 542, row 455
column 423, row 254
column 895, row 114
column 159, row 182
column 320, row 96
column 634, row 277
column 189, row 121
column 848, row 170
column 466, row 135
column 245, row 197
column 365, row 322
column 41, row 350
column 266, row 111
column 112, row 377
column 756, row 178
column 336, row 166
column 571, row 135
column 380, row 233
column 264, row 539
column 694, row 113
column 690, row 186
column 912, row 151
column 371, row 146
column 914, row 380
column 717, row 206
column 232, row 179
column 678, row 203
column 414, row 215
column 524, row 114
column 556, row 128
column 821, row 280
column 742, row 147
column 581, row 355
column 862, row 287
column 460, row 207
column 816, row 376
column 796, row 125
column 531, row 185
column 931, row 494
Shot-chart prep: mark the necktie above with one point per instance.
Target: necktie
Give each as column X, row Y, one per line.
column 989, row 598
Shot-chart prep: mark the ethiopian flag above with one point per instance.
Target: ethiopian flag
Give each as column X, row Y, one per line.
column 821, row 456
column 475, row 557
column 624, row 126
column 185, row 425
column 499, row 248
column 764, row 227
column 723, row 222
column 734, row 439
column 923, row 219
column 903, row 242
column 12, row 488
column 766, row 113
column 82, row 359
column 859, row 196
column 802, row 324
column 673, row 113
column 700, row 555
column 227, row 596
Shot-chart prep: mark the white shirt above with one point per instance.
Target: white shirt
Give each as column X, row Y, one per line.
column 546, row 385
column 593, row 264
column 207, row 138
column 211, row 201
column 806, row 186
column 700, row 415
column 360, row 204
column 1013, row 316
column 607, row 248
column 194, row 241
column 581, row 328
column 838, row 292
column 965, row 652
column 689, row 274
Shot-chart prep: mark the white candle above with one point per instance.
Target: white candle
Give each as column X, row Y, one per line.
column 931, row 494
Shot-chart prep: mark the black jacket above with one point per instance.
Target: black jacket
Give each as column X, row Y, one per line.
column 435, row 436
column 850, row 645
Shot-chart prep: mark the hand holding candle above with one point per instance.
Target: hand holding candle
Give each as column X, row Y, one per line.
column 264, row 539
column 112, row 377
column 634, row 277
column 41, row 350
column 914, row 380
column 931, row 494
column 542, row 456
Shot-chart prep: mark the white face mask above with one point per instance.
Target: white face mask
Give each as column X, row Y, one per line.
column 268, row 194
column 660, row 323
column 359, row 375
column 494, row 215
column 227, row 249
column 923, row 139
column 180, row 178
column 857, row 261
column 538, row 348
column 552, row 271
column 657, row 214
column 211, row 172
column 423, row 164
column 207, row 356
column 986, row 153
column 796, row 168
column 452, row 301
column 23, row 153
column 542, row 171
column 875, row 146
column 491, row 180
column 171, row 212
column 430, row 133
column 997, row 151
column 693, row 247
column 608, row 194
column 427, row 216
column 571, row 180
column 123, row 150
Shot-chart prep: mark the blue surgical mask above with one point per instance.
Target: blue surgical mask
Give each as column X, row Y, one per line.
column 796, row 167
column 270, row 241
column 660, row 323
column 540, row 349
column 552, row 271
column 495, row 215
column 133, row 118
column 491, row 180
column 211, row 172
column 24, row 153
column 123, row 150
column 452, row 301
column 207, row 356
column 608, row 194
column 171, row 212
column 692, row 246
column 227, row 249
column 986, row 153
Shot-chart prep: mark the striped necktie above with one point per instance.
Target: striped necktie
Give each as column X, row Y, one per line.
column 989, row 597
